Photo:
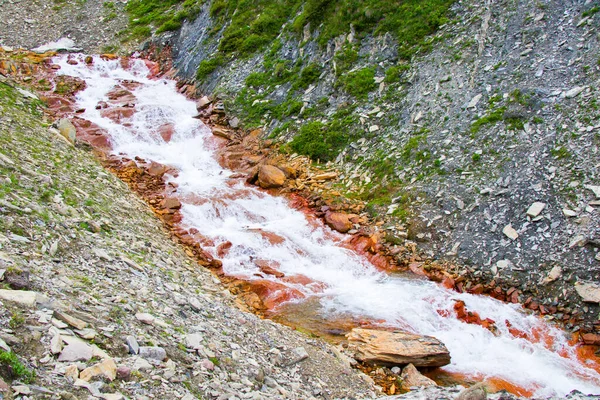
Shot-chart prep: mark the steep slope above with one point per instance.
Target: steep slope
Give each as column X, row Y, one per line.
column 451, row 138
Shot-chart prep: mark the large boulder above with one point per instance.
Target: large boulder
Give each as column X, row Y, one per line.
column 397, row 348
column 270, row 176
column 338, row 221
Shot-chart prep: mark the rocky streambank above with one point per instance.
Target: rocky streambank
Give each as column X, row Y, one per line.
column 98, row 300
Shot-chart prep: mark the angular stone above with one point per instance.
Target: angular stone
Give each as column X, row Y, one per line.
column 397, row 348
column 574, row 92
column 21, row 297
column 193, row 341
column 72, row 372
column 76, row 351
column 338, row 221
column 577, row 241
column 474, row 101
column 591, row 338
column 145, row 318
column 475, row 392
column 325, row 176
column 553, row 275
column 107, row 369
column 595, row 189
column 134, row 347
column 535, row 209
column 569, row 213
column 270, row 176
column 413, row 378
column 589, row 292
column 195, row 304
column 74, row 322
column 510, row 232
column 141, row 365
column 202, row 103
column 153, row 353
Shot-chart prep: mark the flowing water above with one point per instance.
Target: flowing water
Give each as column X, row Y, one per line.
column 316, row 266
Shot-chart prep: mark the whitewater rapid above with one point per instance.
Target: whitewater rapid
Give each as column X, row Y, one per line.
column 345, row 283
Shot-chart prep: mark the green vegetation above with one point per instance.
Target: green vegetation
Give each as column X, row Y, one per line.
column 207, row 67
column 319, row 141
column 13, row 368
column 161, row 15
column 409, row 20
column 393, row 73
column 16, row 320
column 590, row 12
column 308, row 75
column 360, row 83
column 345, row 59
column 252, row 24
column 560, row 152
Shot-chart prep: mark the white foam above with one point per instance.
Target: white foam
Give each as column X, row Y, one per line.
column 61, row 44
column 349, row 284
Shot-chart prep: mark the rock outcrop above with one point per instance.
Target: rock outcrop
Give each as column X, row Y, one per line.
column 397, row 348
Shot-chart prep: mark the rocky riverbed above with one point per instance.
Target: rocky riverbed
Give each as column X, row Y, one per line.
column 109, row 306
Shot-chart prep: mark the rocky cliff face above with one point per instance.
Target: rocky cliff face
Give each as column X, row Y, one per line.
column 482, row 145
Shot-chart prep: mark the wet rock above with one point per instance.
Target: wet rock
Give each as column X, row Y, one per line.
column 221, row 132
column 106, row 369
column 117, row 114
column 269, row 268
column 412, row 378
column 171, row 203
column 338, row 221
column 397, row 348
column 591, row 338
column 270, row 176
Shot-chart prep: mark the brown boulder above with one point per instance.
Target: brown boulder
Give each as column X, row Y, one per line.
column 591, row 338
column 171, row 203
column 397, row 348
column 269, row 268
column 338, row 221
column 118, row 113
column 270, row 176
column 412, row 378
